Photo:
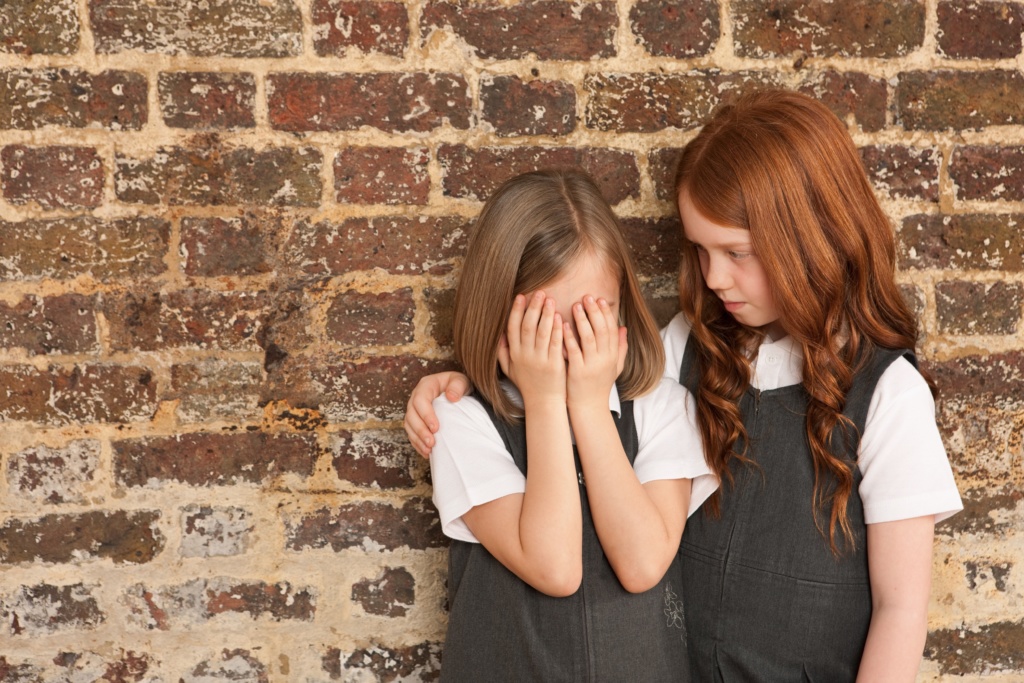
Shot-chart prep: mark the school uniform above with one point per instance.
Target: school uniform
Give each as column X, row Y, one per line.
column 500, row 628
column 766, row 599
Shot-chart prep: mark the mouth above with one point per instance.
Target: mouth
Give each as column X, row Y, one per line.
column 733, row 306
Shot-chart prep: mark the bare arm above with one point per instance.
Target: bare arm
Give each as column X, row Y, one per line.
column 538, row 535
column 900, row 566
column 639, row 524
column 420, row 421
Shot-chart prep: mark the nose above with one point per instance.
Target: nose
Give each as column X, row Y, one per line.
column 716, row 273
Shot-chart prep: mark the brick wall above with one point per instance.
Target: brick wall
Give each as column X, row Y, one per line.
column 229, row 234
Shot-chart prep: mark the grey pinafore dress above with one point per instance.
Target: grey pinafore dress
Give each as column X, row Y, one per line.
column 501, row 629
column 766, row 600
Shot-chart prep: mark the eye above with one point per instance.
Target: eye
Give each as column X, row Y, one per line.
column 739, row 255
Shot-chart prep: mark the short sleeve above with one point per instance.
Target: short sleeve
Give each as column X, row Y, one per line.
column 670, row 444
column 905, row 470
column 469, row 464
column 673, row 338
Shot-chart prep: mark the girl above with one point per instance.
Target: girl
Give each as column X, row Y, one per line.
column 813, row 560
column 563, row 565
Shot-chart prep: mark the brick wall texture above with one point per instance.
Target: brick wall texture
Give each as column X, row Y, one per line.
column 229, row 238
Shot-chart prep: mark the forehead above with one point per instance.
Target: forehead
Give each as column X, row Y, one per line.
column 589, row 274
column 703, row 231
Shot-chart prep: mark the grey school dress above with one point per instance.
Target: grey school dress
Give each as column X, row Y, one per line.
column 501, row 629
column 766, row 600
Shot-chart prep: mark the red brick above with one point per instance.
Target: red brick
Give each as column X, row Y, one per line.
column 392, row 102
column 986, row 649
column 992, row 377
column 208, row 531
column 66, row 248
column 84, row 393
column 820, row 28
column 205, row 175
column 54, row 475
column 85, row 665
column 53, row 177
column 847, row 94
column 119, row 535
column 962, row 242
column 357, row 319
column 476, row 173
column 45, row 608
column 192, row 318
column 959, row 100
column 361, row 26
column 979, row 30
column 215, row 389
column 382, row 663
column 243, row 28
column 913, row 297
column 35, row 98
column 983, row 437
column 229, row 665
column 395, row 244
column 549, row 29
column 240, row 246
column 978, row 308
column 379, row 459
column 31, row 27
column 517, row 107
column 382, row 175
column 904, row 172
column 984, row 513
column 681, row 29
column 201, row 459
column 661, row 164
column 987, row 173
column 25, row 672
column 207, row 100
column 663, row 308
column 389, row 594
column 655, row 243
column 367, row 525
column 441, row 304
column 56, row 324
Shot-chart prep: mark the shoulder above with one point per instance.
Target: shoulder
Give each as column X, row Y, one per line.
column 674, row 337
column 900, row 387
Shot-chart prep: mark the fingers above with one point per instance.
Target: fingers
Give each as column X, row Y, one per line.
column 458, row 386
column 596, row 325
column 515, row 324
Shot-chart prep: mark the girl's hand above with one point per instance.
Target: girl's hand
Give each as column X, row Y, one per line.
column 533, row 358
column 596, row 361
column 420, row 421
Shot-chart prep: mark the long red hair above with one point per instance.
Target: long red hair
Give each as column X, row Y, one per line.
column 781, row 165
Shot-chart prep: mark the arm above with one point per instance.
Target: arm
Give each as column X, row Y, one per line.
column 899, row 564
column 420, row 421
column 639, row 525
column 538, row 535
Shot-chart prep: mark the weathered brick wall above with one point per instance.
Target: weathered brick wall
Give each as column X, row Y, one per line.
column 229, row 233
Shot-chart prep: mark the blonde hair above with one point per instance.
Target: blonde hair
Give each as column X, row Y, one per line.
column 529, row 232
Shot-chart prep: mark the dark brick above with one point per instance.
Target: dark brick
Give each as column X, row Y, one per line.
column 382, row 175
column 983, row 436
column 476, row 173
column 208, row 531
column 982, row 513
column 517, row 107
column 661, row 164
column 549, row 29
column 125, row 667
column 392, row 102
column 992, row 377
column 230, row 665
column 34, row 98
column 655, row 243
column 980, row 573
column 120, row 535
column 242, row 28
column 45, row 608
column 84, row 393
column 205, row 175
column 978, row 308
column 31, row 27
column 386, row 664
column 963, row 241
column 360, row 26
column 379, row 459
column 24, row 672
column 441, row 304
column 913, row 297
column 389, row 594
column 207, row 100
column 959, row 100
column 58, row 324
column 194, row 318
column 66, row 248
column 200, row 459
column 54, row 475
column 681, row 29
column 214, row 389
column 986, row 649
column 358, row 319
column 366, row 525
column 819, row 28
column 979, row 30
column 988, row 173
column 396, row 244
column 663, row 308
column 847, row 94
column 240, row 246
column 53, row 177
column 904, row 172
